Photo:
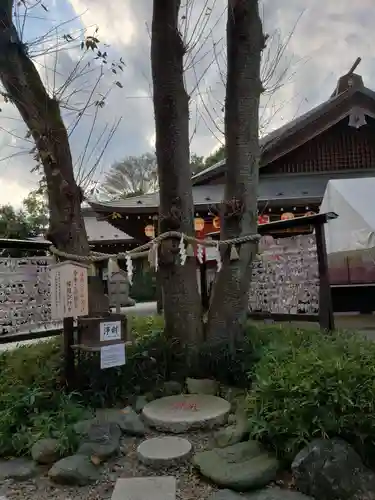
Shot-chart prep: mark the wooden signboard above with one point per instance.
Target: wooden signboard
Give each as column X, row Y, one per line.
column 69, row 291
column 286, row 277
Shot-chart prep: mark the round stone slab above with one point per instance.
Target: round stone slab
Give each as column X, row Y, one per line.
column 164, row 451
column 186, row 411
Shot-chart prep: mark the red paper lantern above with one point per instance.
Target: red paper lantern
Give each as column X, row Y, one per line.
column 263, row 219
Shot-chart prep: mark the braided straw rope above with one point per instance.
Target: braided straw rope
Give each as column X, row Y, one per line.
column 142, row 251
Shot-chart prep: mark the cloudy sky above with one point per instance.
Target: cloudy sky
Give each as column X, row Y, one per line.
column 326, row 39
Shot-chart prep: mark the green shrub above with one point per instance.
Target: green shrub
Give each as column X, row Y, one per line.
column 310, row 385
column 32, row 404
column 143, row 327
column 143, row 288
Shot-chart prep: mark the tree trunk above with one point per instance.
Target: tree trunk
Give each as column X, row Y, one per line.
column 41, row 114
column 245, row 42
column 182, row 309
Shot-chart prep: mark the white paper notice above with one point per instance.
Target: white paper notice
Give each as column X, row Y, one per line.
column 112, row 355
column 110, row 330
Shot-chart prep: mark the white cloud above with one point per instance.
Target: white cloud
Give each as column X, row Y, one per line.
column 115, row 20
column 327, row 40
column 12, row 192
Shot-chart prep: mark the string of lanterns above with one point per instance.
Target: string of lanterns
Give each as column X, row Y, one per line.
column 199, row 222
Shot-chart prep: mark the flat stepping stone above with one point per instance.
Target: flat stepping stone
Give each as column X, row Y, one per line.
column 164, row 451
column 185, row 412
column 241, row 467
column 145, row 488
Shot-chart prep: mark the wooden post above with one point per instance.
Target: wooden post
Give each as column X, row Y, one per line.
column 69, row 362
column 326, row 319
column 159, row 294
column 159, row 288
column 118, row 298
column 203, row 285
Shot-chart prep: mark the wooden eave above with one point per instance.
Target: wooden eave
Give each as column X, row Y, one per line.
column 301, row 130
column 335, row 111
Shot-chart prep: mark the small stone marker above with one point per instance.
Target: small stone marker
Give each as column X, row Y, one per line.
column 186, row 411
column 164, row 451
column 145, row 488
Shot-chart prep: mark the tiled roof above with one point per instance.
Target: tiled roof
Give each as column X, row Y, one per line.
column 97, row 230
column 271, row 189
column 101, row 230
column 290, row 128
column 202, row 195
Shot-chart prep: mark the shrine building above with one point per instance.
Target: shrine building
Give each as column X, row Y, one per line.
column 333, row 140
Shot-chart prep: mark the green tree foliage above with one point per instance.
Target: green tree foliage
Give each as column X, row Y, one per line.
column 215, row 157
column 197, row 163
column 28, row 222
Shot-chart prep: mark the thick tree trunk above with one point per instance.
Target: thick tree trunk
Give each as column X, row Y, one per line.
column 182, row 309
column 245, row 42
column 41, row 114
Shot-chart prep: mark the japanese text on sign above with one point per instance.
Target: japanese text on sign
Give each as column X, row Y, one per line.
column 69, row 294
column 110, row 330
column 112, row 356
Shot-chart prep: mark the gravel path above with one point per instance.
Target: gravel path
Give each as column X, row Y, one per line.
column 190, row 486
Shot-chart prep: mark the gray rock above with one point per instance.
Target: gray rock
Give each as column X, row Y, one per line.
column 226, row 495
column 202, row 386
column 74, row 470
column 102, row 440
column 240, row 467
column 234, row 395
column 232, row 419
column 232, row 434
column 235, row 433
column 18, row 469
column 277, row 494
column 140, row 403
column 127, row 419
column 45, row 451
column 266, row 494
column 83, row 426
column 332, row 470
column 171, row 388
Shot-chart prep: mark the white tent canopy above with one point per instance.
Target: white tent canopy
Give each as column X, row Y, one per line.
column 353, row 232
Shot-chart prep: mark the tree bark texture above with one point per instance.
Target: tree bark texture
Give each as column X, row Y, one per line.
column 245, row 42
column 41, row 114
column 182, row 309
